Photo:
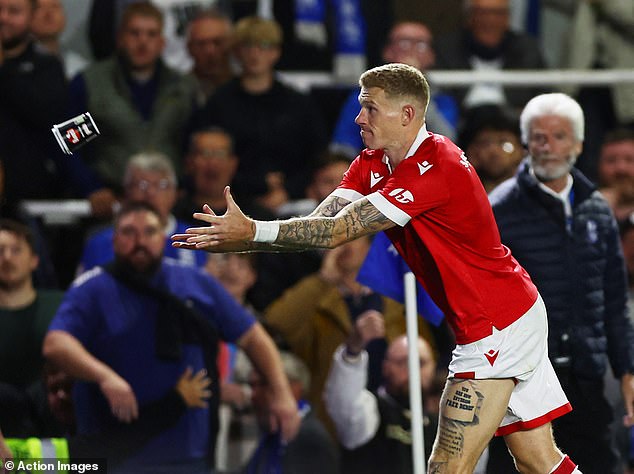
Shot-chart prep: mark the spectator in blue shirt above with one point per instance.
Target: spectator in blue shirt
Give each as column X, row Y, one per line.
column 127, row 331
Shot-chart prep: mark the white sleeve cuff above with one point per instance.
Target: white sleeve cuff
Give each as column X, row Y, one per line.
column 388, row 209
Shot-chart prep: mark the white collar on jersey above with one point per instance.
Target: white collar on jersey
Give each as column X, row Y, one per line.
column 420, row 138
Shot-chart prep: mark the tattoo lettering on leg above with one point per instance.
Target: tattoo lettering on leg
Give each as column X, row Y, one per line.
column 460, row 406
column 437, row 467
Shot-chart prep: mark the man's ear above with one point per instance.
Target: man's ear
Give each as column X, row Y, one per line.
column 408, row 112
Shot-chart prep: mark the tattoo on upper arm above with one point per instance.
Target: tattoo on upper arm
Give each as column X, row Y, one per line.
column 356, row 219
column 459, row 408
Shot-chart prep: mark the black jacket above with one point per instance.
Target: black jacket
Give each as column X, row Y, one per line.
column 577, row 266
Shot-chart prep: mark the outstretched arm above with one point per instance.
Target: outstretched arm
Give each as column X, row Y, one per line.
column 73, row 358
column 329, row 226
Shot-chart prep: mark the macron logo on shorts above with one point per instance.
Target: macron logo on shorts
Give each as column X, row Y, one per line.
column 491, row 356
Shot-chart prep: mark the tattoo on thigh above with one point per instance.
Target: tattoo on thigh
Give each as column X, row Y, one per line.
column 460, row 406
column 437, row 467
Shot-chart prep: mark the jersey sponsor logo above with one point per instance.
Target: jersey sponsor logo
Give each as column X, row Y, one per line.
column 402, row 195
column 465, row 162
column 375, row 177
column 491, row 356
column 424, row 167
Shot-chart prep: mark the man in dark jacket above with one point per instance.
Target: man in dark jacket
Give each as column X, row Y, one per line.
column 487, row 43
column 563, row 233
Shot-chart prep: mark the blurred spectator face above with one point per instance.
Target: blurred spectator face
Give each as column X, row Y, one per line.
column 141, row 42
column 234, row 271
column 488, row 20
column 48, row 19
column 212, row 161
column 395, row 368
column 495, row 154
column 350, row 256
column 17, row 260
column 326, row 180
column 552, row 146
column 153, row 187
column 257, row 57
column 616, row 163
column 139, row 240
column 15, row 22
column 410, row 43
column 208, row 44
column 59, row 386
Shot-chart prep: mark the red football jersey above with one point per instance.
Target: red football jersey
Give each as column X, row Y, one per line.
column 446, row 233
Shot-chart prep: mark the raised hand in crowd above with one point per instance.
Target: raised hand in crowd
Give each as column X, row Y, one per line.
column 194, row 388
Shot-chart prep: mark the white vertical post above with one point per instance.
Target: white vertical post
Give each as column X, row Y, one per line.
column 415, row 395
column 265, row 9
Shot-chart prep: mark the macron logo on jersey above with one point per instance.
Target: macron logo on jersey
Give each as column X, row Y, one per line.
column 402, row 195
column 424, row 167
column 375, row 178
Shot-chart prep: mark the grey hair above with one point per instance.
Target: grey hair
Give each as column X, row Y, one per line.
column 557, row 104
column 149, row 161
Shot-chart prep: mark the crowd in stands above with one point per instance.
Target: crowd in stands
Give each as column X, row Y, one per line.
column 127, row 348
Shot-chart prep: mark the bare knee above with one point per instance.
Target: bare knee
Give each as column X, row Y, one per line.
column 534, row 451
column 539, row 464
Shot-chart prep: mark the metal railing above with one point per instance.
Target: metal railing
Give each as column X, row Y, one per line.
column 68, row 211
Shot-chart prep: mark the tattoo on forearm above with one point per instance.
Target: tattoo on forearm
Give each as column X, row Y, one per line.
column 358, row 218
column 330, row 207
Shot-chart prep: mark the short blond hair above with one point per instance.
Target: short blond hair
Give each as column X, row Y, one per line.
column 254, row 29
column 398, row 81
column 143, row 9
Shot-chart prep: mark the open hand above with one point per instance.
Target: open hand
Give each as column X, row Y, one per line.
column 194, row 388
column 227, row 232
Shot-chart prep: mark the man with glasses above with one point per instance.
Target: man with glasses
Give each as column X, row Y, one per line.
column 150, row 178
column 409, row 42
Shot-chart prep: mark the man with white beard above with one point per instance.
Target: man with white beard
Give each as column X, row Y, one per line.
column 561, row 230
